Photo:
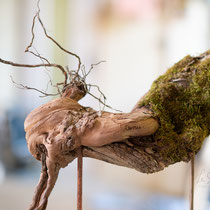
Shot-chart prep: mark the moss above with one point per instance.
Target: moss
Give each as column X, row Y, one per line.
column 180, row 100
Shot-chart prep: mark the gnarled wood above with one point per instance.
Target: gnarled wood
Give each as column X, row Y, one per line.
column 62, row 126
column 167, row 125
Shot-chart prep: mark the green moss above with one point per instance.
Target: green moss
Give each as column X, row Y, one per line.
column 180, row 100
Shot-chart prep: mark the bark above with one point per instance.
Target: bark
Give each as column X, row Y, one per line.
column 166, row 126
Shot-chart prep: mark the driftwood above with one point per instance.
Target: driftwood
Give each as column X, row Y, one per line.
column 167, row 125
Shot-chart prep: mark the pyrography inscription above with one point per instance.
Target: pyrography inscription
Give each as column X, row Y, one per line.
column 134, row 127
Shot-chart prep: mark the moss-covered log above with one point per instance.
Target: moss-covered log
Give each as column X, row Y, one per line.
column 180, row 99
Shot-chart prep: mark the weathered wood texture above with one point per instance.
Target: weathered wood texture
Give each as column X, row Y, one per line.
column 166, row 126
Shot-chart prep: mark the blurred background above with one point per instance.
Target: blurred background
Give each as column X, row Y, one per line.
column 139, row 40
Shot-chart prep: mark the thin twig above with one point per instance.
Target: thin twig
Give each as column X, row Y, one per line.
column 99, row 90
column 58, row 89
column 73, row 75
column 101, row 95
column 192, row 182
column 32, row 40
column 92, row 66
column 103, row 102
column 55, row 42
column 32, row 32
column 24, row 87
column 37, row 54
column 83, row 71
column 79, row 179
column 36, row 66
column 49, row 82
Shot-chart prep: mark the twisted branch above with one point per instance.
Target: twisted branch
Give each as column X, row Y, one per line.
column 54, row 41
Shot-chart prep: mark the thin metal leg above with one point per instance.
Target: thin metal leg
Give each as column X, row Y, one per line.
column 79, row 179
column 192, row 182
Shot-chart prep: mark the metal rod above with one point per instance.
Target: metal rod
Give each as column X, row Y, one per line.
column 192, row 182
column 79, row 179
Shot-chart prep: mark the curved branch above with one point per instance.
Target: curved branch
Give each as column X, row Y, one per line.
column 55, row 42
column 36, row 66
column 25, row 87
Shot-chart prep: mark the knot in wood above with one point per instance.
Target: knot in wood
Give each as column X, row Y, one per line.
column 75, row 90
